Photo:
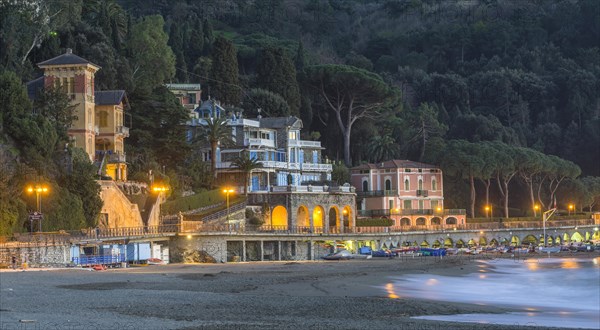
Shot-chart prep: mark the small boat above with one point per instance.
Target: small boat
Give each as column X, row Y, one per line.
column 549, row 249
column 384, row 253
column 155, row 261
column 433, row 252
column 361, row 256
column 406, row 250
column 340, row 255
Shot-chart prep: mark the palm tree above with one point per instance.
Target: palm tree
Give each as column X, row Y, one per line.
column 216, row 132
column 246, row 165
column 383, row 147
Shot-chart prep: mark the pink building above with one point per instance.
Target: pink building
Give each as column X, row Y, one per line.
column 410, row 193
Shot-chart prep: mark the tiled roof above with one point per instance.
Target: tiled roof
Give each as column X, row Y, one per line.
column 66, row 58
column 184, row 87
column 35, row 87
column 394, row 163
column 279, row 122
column 109, row 97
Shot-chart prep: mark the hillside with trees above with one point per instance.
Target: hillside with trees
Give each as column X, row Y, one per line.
column 502, row 94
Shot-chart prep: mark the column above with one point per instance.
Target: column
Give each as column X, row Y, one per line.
column 311, row 250
column 244, row 250
column 279, row 250
column 262, row 251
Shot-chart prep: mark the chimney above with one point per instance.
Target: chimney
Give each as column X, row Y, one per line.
column 69, row 51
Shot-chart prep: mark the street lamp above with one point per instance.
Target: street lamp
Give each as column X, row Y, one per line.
column 158, row 190
column 489, row 211
column 39, row 190
column 571, row 207
column 535, row 209
column 228, row 191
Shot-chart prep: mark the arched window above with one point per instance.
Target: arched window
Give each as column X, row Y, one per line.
column 388, row 184
column 365, row 186
column 433, row 184
column 406, row 184
column 420, row 184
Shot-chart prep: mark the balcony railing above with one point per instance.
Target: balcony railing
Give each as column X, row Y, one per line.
column 422, row 193
column 117, row 158
column 390, row 212
column 377, row 193
column 304, row 143
column 286, row 166
column 259, row 142
column 317, row 167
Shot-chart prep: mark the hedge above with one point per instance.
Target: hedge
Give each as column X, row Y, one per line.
column 374, row 222
column 198, row 200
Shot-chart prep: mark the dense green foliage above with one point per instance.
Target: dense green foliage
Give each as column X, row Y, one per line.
column 515, row 81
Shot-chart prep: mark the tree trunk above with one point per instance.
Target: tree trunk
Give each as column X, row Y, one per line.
column 347, row 147
column 213, row 158
column 472, row 182
column 505, row 184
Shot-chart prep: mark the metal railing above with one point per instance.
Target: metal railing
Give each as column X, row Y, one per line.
column 377, row 193
column 408, row 212
column 422, row 193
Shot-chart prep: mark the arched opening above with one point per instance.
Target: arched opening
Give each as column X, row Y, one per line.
column 482, row 241
column 425, row 244
column 433, row 184
column 448, row 242
column 566, row 238
column 504, row 241
column 530, row 239
column 388, row 184
column 460, row 243
column 347, row 215
column 302, row 217
column 334, row 218
column 557, row 240
column 420, row 221
column 406, row 184
column 405, row 222
column 596, row 235
column 471, row 243
column 436, row 221
column 576, row 237
column 420, row 184
column 494, row 242
column 587, row 236
column 451, row 221
column 437, row 244
column 365, row 185
column 514, row 241
column 279, row 217
column 318, row 214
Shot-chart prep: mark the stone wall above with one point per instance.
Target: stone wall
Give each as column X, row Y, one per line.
column 36, row 256
column 121, row 212
column 184, row 249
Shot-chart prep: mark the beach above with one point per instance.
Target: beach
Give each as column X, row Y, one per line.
column 261, row 295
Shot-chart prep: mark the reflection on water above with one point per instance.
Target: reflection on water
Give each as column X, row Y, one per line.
column 551, row 291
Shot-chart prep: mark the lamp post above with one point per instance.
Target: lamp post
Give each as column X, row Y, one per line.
column 489, row 211
column 535, row 209
column 228, row 191
column 571, row 207
column 159, row 190
column 39, row 190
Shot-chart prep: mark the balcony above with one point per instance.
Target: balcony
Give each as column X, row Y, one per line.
column 123, row 130
column 117, row 158
column 317, row 167
column 377, row 193
column 259, row 143
column 422, row 193
column 304, row 143
column 408, row 212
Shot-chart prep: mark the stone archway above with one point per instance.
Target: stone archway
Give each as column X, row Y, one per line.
column 424, row 244
column 347, row 216
column 494, row 242
column 471, row 242
column 451, row 221
column 334, row 218
column 515, row 241
column 279, row 217
column 596, row 235
column 460, row 243
column 318, row 216
column 576, row 237
column 557, row 240
column 436, row 244
column 448, row 242
column 530, row 239
column 405, row 222
column 302, row 217
column 421, row 221
column 436, row 221
column 566, row 238
column 483, row 241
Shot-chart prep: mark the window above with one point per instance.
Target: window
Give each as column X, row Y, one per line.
column 391, row 204
column 406, row 185
column 420, row 184
column 365, row 185
column 433, row 184
column 421, row 204
column 71, row 85
column 103, row 119
column 407, row 205
column 434, row 205
column 388, row 185
column 293, row 135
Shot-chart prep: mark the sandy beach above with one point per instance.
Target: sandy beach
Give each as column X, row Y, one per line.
column 268, row 295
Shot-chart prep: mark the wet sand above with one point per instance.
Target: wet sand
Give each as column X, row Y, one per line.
column 269, row 295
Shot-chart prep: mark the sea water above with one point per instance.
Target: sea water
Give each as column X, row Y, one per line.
column 550, row 292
